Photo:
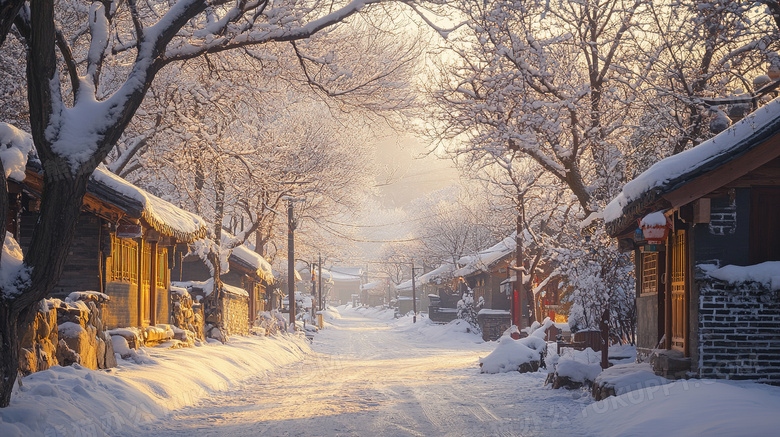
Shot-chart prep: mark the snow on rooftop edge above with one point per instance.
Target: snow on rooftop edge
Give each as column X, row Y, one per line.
column 674, row 166
column 160, row 214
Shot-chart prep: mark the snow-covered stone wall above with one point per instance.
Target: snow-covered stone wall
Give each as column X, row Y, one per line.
column 236, row 315
column 739, row 330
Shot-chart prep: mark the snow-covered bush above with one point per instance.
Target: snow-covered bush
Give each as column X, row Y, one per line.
column 467, row 309
column 523, row 355
column 598, row 277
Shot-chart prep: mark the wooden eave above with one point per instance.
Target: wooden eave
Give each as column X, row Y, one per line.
column 755, row 151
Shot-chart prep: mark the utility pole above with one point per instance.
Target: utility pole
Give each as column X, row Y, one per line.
column 319, row 264
column 414, row 297
column 291, row 262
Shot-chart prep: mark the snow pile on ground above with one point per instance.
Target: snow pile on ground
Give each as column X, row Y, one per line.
column 456, row 331
column 687, row 408
column 624, row 378
column 517, row 355
column 372, row 312
column 579, row 366
column 78, row 401
column 330, row 313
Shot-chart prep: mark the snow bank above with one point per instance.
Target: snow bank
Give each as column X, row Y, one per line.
column 78, row 401
column 455, row 333
column 511, row 354
column 687, row 407
column 624, row 378
column 578, row 370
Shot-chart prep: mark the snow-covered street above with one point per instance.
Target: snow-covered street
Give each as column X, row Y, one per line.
column 376, row 376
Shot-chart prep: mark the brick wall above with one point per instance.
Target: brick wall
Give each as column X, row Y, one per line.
column 739, row 331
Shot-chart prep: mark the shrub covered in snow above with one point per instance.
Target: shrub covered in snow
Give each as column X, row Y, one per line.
column 523, row 355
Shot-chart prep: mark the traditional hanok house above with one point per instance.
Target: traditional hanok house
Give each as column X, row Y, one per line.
column 244, row 285
column 488, row 274
column 123, row 246
column 346, row 284
column 704, row 228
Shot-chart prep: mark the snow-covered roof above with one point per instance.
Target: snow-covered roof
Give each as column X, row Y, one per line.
column 254, row 260
column 486, row 258
column 346, row 274
column 372, row 285
column 137, row 203
column 675, row 171
column 249, row 259
column 438, row 275
column 234, row 290
column 406, row 285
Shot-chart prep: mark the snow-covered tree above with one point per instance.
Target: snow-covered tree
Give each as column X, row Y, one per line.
column 78, row 109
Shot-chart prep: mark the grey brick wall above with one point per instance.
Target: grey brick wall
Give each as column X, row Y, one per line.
column 739, row 331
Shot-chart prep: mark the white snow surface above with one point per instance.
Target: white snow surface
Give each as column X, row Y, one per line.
column 767, row 273
column 674, row 166
column 692, row 407
column 15, row 144
column 76, row 401
column 366, row 373
column 629, row 377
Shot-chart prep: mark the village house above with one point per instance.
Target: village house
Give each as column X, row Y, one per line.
column 374, row 293
column 443, row 298
column 346, row 284
column 703, row 229
column 488, row 274
column 245, row 286
column 123, row 246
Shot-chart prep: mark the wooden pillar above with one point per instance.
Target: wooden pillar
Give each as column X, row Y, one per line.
column 139, row 279
column 153, row 284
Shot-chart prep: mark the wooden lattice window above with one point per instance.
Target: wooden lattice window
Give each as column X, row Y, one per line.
column 124, row 260
column 161, row 275
column 649, row 272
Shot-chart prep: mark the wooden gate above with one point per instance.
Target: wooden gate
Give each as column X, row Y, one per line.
column 679, row 276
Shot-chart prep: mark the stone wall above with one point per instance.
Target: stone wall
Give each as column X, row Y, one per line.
column 739, row 331
column 493, row 323
column 185, row 314
column 236, row 314
column 67, row 332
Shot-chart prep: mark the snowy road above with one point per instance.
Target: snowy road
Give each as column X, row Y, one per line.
column 370, row 378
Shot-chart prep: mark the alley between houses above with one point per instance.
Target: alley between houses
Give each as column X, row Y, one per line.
column 371, row 377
